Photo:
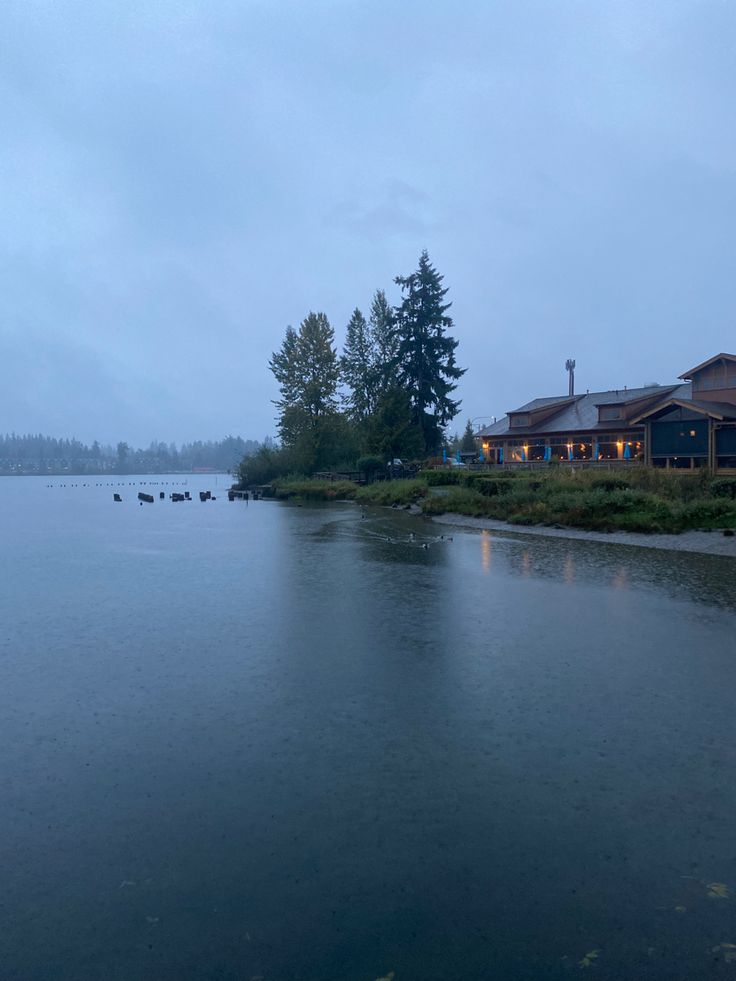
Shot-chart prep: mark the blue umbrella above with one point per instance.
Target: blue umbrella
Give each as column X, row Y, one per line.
column 627, row 451
column 457, row 457
column 569, row 452
column 444, row 454
column 523, row 455
column 596, row 451
column 481, row 457
column 500, row 454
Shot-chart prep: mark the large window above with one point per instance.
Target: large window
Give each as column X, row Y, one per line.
column 683, row 438
column 726, row 447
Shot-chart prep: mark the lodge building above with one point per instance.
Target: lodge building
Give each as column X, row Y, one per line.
column 687, row 425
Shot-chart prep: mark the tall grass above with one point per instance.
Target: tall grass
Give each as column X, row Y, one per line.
column 643, row 500
column 389, row 492
column 314, row 490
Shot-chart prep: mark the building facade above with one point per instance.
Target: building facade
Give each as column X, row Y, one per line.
column 687, row 425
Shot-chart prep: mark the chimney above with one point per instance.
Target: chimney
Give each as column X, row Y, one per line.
column 570, row 369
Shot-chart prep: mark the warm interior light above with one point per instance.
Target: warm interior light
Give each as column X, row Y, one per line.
column 692, row 432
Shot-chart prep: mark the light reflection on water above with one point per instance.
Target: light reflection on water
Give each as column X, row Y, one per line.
column 486, row 550
column 707, row 579
column 297, row 743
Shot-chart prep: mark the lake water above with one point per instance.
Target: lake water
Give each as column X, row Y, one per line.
column 291, row 744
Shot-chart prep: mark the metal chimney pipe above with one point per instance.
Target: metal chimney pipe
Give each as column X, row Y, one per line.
column 570, row 368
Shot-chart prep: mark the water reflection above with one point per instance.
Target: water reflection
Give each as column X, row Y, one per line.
column 351, row 754
column 384, row 536
column 486, row 549
column 707, row 579
column 526, row 563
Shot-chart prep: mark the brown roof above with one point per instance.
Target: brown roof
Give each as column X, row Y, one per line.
column 716, row 357
column 581, row 413
column 719, row 410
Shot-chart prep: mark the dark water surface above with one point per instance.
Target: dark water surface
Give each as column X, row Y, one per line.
column 289, row 743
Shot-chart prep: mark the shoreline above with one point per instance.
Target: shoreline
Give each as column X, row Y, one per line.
column 699, row 542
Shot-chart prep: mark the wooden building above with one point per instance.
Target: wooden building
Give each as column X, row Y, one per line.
column 687, row 425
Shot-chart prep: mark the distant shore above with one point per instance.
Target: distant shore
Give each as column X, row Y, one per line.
column 702, row 542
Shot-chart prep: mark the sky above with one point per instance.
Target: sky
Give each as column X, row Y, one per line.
column 179, row 181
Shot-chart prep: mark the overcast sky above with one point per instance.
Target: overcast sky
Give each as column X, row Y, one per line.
column 181, row 180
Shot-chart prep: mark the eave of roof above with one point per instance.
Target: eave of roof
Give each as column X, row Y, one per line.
column 698, row 367
column 717, row 410
column 547, row 402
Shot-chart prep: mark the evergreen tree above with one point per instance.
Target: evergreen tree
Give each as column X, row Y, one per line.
column 123, row 452
column 283, row 364
column 425, row 358
column 467, row 444
column 391, row 429
column 358, row 368
column 384, row 343
column 306, row 368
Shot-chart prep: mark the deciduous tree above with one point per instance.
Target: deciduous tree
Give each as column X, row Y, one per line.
column 306, row 369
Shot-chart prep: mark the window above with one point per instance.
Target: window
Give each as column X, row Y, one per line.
column 519, row 419
column 608, row 412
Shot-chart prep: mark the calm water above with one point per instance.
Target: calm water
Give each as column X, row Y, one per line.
column 287, row 743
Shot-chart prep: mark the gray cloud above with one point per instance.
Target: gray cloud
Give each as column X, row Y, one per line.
column 180, row 180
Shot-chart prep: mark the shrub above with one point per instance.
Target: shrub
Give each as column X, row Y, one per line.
column 708, row 514
column 724, row 487
column 491, row 486
column 314, row 490
column 609, row 482
column 393, row 492
column 441, row 478
column 459, row 500
column 369, row 465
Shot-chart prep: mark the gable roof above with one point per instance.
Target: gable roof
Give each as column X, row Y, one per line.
column 717, row 410
column 698, row 367
column 581, row 412
column 542, row 403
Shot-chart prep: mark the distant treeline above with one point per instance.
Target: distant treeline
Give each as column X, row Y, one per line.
column 37, row 454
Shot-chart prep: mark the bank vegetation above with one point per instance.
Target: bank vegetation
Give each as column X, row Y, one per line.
column 641, row 499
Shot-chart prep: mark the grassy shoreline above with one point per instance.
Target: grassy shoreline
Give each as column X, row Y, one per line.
column 642, row 500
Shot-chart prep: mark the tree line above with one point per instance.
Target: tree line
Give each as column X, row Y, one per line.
column 387, row 395
column 38, row 454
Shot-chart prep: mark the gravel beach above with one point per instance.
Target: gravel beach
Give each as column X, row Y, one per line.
column 704, row 542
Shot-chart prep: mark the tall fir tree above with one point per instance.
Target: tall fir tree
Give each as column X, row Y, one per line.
column 425, row 352
column 383, row 342
column 358, row 370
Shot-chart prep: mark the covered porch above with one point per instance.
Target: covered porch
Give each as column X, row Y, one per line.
column 565, row 448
